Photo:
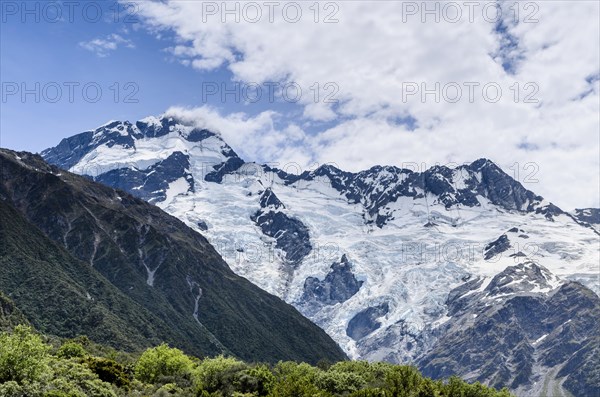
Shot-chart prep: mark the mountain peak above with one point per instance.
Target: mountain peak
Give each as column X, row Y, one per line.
column 522, row 278
column 123, row 134
column 376, row 189
column 482, row 163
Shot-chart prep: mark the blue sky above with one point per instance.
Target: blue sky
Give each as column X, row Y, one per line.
column 45, row 52
column 395, row 68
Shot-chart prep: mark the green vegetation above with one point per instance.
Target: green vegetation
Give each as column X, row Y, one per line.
column 73, row 258
column 10, row 315
column 33, row 366
column 61, row 296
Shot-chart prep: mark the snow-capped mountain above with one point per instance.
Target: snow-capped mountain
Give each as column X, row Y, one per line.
column 379, row 258
column 525, row 329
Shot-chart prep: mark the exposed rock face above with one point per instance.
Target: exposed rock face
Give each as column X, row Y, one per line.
column 497, row 247
column 71, row 150
column 141, row 181
column 366, row 322
column 338, row 286
column 527, row 277
column 379, row 186
column 152, row 183
column 588, row 215
column 269, row 199
column 509, row 333
column 202, row 225
column 550, row 211
column 290, row 234
column 220, row 170
column 375, row 189
column 197, row 135
column 156, row 128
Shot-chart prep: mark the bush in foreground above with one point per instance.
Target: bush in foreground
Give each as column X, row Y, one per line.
column 28, row 367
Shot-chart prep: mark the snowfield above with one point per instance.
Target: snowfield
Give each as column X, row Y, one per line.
column 424, row 250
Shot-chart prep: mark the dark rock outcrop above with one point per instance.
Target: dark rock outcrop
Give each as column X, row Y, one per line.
column 588, row 215
column 220, row 170
column 70, row 150
column 496, row 247
column 338, row 286
column 365, row 322
column 375, row 189
column 290, row 234
column 152, row 183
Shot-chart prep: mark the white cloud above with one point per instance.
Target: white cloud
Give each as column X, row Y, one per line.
column 376, row 50
column 103, row 46
column 253, row 137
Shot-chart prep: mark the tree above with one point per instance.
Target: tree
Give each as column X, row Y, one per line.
column 70, row 350
column 160, row 362
column 218, row 374
column 296, row 380
column 263, row 379
column 404, row 381
column 73, row 379
column 339, row 383
column 109, row 370
column 24, row 357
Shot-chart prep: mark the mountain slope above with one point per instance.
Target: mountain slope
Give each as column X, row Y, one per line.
column 10, row 315
column 64, row 296
column 160, row 263
column 539, row 338
column 370, row 256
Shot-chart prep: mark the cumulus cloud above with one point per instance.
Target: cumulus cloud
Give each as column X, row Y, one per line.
column 255, row 138
column 102, row 47
column 399, row 80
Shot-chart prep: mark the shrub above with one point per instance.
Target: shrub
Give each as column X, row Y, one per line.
column 27, row 369
column 218, row 374
column 24, row 357
column 259, row 380
column 290, row 369
column 372, row 373
column 70, row 350
column 75, row 379
column 109, row 371
column 339, row 382
column 162, row 361
column 371, row 393
column 167, row 390
column 296, row 380
column 403, row 381
column 11, row 388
